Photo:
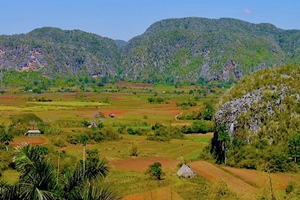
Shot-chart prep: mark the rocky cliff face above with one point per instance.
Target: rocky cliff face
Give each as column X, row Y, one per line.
column 58, row 52
column 256, row 110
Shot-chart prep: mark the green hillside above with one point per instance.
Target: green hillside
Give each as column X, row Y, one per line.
column 172, row 51
column 262, row 116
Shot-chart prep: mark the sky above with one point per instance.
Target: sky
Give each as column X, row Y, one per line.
column 125, row 19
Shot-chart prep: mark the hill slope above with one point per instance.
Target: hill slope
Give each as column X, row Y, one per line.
column 171, row 50
column 55, row 51
column 262, row 115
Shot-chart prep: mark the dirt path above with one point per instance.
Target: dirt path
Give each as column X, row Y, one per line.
column 214, row 173
column 176, row 116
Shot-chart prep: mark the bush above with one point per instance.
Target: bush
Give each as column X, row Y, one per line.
column 154, row 171
column 134, row 150
column 199, row 127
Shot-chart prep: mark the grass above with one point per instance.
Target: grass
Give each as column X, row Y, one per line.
column 128, row 183
column 69, row 109
column 199, row 139
column 69, row 103
column 10, row 176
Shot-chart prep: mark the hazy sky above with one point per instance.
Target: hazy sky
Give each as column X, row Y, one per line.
column 125, row 19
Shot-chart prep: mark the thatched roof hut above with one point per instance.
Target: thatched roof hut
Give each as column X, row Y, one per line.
column 186, row 172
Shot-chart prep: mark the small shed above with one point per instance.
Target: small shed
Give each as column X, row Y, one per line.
column 31, row 133
column 186, row 172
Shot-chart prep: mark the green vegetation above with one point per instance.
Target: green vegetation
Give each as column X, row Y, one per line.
column 39, row 180
column 146, row 131
column 154, row 171
column 185, row 51
column 266, row 127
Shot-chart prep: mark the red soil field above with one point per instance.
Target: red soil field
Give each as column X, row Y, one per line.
column 19, row 141
column 6, row 97
column 160, row 194
column 214, row 173
column 280, row 181
column 141, row 164
column 134, row 85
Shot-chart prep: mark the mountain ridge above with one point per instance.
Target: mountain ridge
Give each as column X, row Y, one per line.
column 170, row 51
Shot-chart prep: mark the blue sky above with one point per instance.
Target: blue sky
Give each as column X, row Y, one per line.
column 125, row 19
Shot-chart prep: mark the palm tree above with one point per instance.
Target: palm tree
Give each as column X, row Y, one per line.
column 38, row 179
column 223, row 138
column 6, row 138
column 95, row 191
column 73, row 187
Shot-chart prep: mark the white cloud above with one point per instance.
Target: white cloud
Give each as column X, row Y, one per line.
column 247, row 11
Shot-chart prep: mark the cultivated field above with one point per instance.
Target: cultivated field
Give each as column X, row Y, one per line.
column 131, row 108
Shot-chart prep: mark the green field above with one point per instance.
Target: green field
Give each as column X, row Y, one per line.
column 66, row 116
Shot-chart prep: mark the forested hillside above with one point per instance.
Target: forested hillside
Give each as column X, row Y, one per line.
column 56, row 52
column 172, row 50
column 262, row 116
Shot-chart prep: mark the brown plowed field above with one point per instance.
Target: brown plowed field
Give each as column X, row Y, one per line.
column 160, row 194
column 214, row 173
column 141, row 164
column 19, row 141
column 280, row 181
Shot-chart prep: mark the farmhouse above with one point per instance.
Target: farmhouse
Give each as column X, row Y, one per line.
column 31, row 133
column 186, row 172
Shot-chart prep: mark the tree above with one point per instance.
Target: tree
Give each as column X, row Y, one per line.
column 155, row 171
column 223, row 138
column 38, row 179
column 199, row 126
column 208, row 113
column 219, row 143
column 294, row 147
column 6, row 138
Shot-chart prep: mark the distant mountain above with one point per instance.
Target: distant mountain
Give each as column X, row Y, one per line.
column 171, row 50
column 58, row 52
column 121, row 42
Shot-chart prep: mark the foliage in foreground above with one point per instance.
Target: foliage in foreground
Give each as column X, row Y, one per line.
column 39, row 180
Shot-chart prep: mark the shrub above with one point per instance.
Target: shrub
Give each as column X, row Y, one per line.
column 134, row 150
column 199, row 126
column 154, row 171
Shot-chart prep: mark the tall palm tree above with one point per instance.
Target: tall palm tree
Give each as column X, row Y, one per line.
column 38, row 179
column 95, row 191
column 224, row 139
column 73, row 187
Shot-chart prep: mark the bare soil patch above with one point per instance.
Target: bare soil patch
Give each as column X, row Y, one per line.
column 261, row 179
column 37, row 140
column 160, row 194
column 214, row 173
column 7, row 97
column 141, row 164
